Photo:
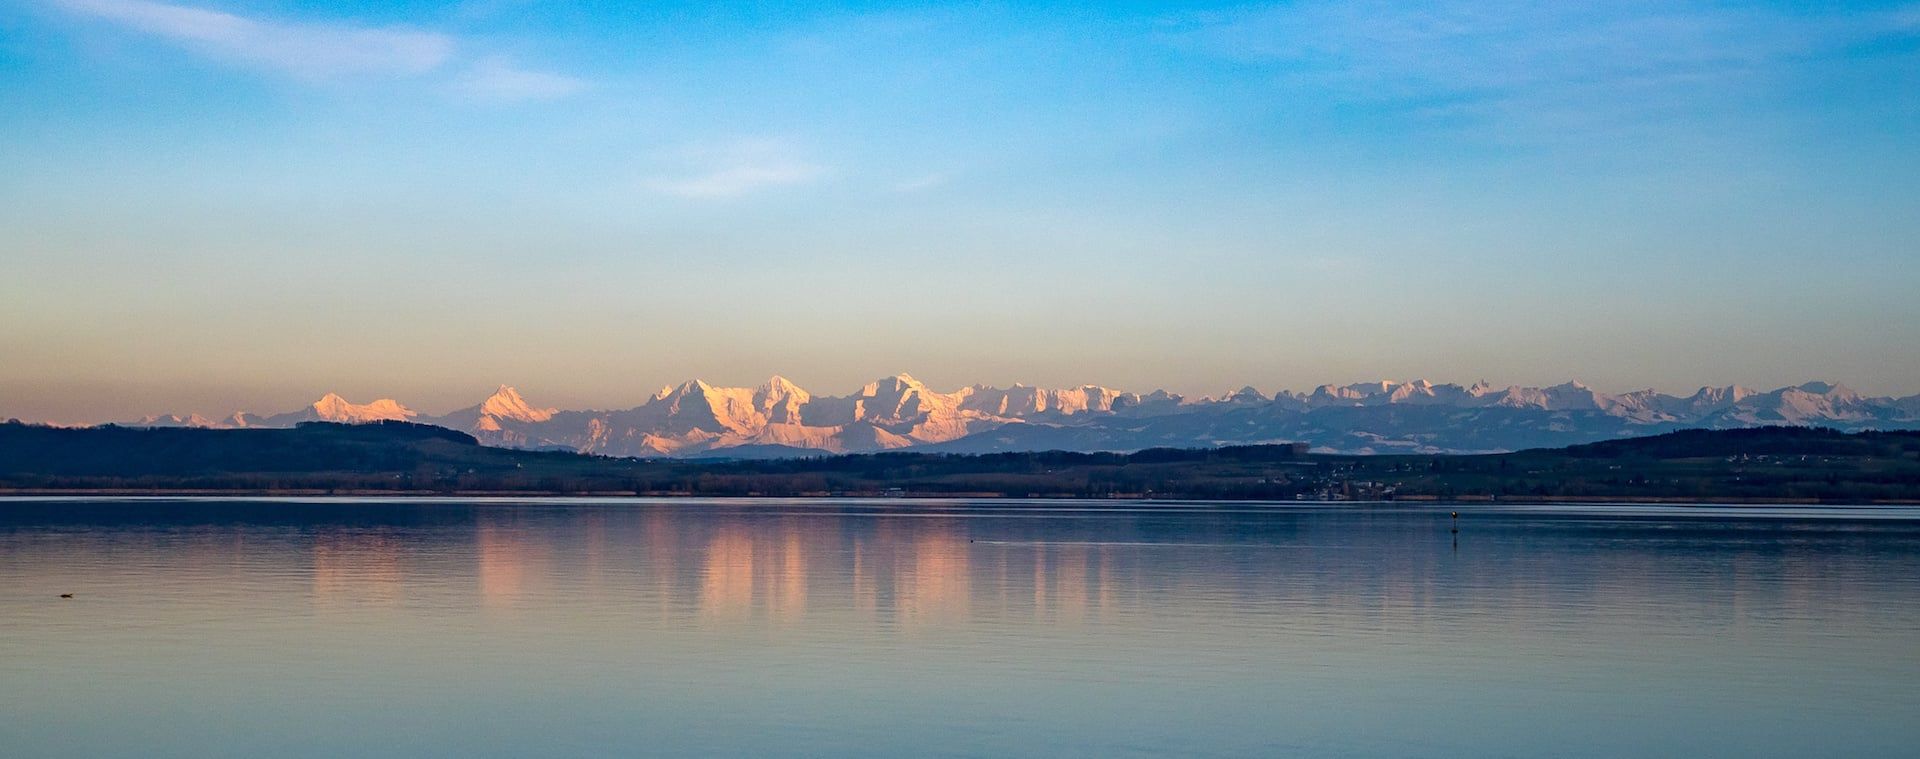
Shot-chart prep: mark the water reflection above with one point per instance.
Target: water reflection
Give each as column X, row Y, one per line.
column 907, row 572
column 357, row 566
column 802, row 628
column 727, row 587
column 507, row 560
column 913, row 570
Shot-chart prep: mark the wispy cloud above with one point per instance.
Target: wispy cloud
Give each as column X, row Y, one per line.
column 496, row 79
column 1552, row 65
column 1495, row 43
column 734, row 169
column 313, row 50
column 328, row 51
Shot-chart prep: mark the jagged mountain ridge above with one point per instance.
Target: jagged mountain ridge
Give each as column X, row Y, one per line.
column 698, row 419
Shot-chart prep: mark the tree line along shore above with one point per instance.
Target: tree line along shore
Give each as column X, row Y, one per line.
column 1760, row 465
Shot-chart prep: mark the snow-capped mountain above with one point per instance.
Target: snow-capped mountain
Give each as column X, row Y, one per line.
column 779, row 417
column 502, row 417
column 332, row 408
column 174, row 420
column 1814, row 403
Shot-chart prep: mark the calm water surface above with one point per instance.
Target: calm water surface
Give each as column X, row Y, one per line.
column 333, row 628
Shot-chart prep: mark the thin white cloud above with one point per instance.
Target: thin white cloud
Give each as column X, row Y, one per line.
column 496, row 79
column 735, row 169
column 1557, row 68
column 1495, row 44
column 313, row 50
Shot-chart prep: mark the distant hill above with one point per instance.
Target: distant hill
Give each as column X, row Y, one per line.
column 1768, row 463
column 121, row 451
column 377, row 455
column 1747, row 464
column 1758, row 441
column 779, row 418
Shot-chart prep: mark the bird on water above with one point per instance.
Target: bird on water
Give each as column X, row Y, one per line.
column 66, row 595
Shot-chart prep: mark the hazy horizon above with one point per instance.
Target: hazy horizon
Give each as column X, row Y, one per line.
column 211, row 206
column 448, row 401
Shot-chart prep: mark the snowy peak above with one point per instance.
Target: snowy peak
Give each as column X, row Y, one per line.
column 1384, row 392
column 173, row 420
column 739, row 411
column 697, row 418
column 1834, row 393
column 1809, row 403
column 1022, row 401
column 781, row 386
column 1572, row 394
column 1086, row 399
column 1330, row 393
column 901, row 397
column 895, row 386
column 506, row 403
column 333, row 408
column 692, row 387
column 780, row 401
column 1721, row 396
column 696, row 405
column 1247, row 394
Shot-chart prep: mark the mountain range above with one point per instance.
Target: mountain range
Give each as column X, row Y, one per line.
column 778, row 418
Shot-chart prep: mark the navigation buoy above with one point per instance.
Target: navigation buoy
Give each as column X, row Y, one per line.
column 1456, row 523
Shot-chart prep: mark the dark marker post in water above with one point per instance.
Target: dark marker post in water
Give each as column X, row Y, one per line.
column 1456, row 523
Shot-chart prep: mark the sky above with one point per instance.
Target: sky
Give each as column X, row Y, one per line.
column 218, row 205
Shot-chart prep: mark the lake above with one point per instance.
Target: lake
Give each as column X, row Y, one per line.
column 576, row 627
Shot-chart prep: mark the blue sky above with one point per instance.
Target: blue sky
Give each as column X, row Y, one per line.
column 211, row 205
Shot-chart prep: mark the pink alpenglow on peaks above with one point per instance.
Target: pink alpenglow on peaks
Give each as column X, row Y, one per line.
column 506, row 403
column 778, row 417
column 333, row 408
